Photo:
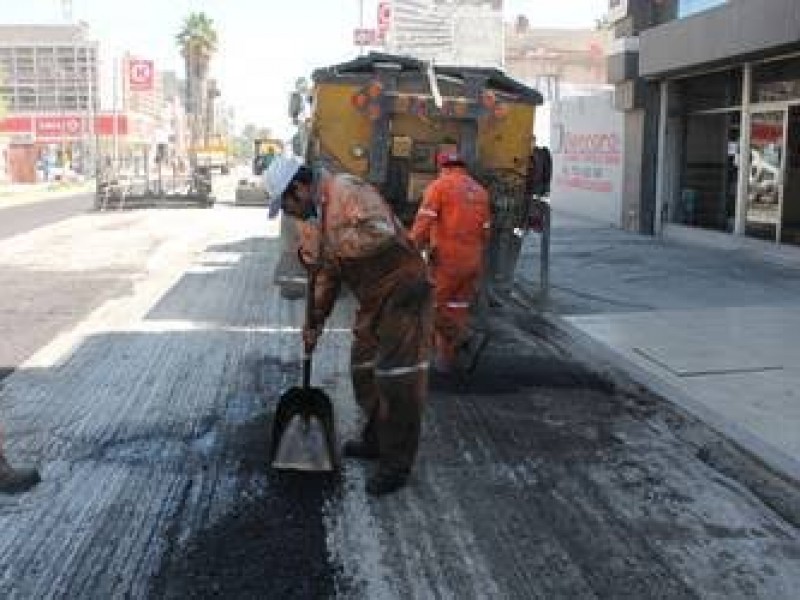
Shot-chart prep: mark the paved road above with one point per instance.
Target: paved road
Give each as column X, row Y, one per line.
column 545, row 479
column 39, row 302
column 25, row 217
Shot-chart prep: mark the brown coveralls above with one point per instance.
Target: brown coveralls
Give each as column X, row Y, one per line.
column 365, row 247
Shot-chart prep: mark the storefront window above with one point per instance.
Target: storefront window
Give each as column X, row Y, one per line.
column 777, row 80
column 707, row 197
column 712, row 91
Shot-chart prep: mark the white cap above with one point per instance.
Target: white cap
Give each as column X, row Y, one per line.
column 277, row 177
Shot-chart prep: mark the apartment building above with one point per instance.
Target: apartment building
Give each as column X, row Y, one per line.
column 49, row 86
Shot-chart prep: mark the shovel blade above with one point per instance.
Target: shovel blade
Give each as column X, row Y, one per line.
column 303, row 446
column 302, row 432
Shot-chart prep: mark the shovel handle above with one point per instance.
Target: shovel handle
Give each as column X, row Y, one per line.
column 312, row 277
column 306, row 371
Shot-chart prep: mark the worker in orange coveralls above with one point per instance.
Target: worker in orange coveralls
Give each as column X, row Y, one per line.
column 453, row 224
column 351, row 236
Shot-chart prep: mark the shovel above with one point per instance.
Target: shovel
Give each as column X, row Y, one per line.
column 302, row 430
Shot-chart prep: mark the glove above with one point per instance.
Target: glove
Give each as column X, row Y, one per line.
column 433, row 257
column 311, row 334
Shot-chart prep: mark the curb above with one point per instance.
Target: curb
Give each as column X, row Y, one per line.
column 595, row 351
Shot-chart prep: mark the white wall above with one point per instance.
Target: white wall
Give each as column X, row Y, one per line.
column 587, row 144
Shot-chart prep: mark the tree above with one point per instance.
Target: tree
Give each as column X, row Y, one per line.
column 197, row 41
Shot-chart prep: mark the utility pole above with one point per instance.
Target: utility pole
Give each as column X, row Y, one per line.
column 361, row 23
column 91, row 74
column 60, row 102
column 115, row 114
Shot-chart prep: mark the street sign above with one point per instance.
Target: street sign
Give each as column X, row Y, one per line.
column 365, row 37
column 140, row 75
column 384, row 16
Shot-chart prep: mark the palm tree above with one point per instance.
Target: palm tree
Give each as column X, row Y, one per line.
column 197, row 41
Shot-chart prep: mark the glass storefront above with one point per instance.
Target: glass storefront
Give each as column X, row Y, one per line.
column 710, row 172
column 708, row 109
column 763, row 214
column 718, row 90
column 776, row 81
column 790, row 202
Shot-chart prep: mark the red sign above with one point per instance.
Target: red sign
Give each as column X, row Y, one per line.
column 140, row 75
column 12, row 125
column 365, row 37
column 58, row 126
column 384, row 16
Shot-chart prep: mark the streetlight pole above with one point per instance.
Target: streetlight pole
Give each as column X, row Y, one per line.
column 115, row 114
column 90, row 74
column 361, row 23
column 62, row 119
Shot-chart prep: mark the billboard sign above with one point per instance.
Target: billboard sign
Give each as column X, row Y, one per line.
column 141, row 74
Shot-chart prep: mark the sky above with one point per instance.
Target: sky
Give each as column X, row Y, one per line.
column 264, row 45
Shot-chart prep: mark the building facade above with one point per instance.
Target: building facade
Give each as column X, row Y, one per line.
column 49, row 73
column 557, row 62
column 715, row 87
column 53, row 125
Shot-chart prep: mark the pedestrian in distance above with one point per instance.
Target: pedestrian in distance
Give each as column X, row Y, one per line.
column 350, row 236
column 452, row 226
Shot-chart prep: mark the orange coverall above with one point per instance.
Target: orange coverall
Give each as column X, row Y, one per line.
column 364, row 246
column 453, row 221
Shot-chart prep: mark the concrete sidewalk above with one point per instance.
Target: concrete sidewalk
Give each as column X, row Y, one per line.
column 715, row 330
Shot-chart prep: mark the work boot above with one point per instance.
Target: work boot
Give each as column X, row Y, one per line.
column 360, row 449
column 15, row 481
column 386, row 481
column 469, row 352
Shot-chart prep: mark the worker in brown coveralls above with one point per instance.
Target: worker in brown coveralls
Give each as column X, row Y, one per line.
column 13, row 481
column 351, row 236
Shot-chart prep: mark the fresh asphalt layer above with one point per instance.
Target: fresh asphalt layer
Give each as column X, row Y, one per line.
column 544, row 478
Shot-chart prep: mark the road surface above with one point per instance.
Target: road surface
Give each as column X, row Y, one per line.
column 150, row 417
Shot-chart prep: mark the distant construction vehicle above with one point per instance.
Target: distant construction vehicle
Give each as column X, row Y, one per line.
column 250, row 190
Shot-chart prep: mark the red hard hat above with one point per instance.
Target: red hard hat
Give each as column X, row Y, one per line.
column 448, row 158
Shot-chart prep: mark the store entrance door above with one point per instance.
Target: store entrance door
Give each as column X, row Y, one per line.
column 765, row 182
column 790, row 218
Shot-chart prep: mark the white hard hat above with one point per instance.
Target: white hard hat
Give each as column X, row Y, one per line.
column 277, row 177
